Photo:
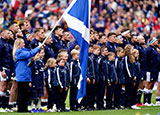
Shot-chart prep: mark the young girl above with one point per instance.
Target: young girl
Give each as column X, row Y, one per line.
column 22, row 56
column 137, row 74
column 40, row 64
column 50, row 82
column 129, row 76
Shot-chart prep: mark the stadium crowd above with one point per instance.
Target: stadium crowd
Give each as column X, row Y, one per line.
column 123, row 61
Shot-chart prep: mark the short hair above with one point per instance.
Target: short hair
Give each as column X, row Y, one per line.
column 118, row 49
column 102, row 48
column 111, row 53
column 110, row 34
column 90, row 45
column 77, row 47
column 56, row 28
column 101, row 35
column 59, row 59
column 2, row 30
column 22, row 23
column 74, row 51
column 96, row 47
column 38, row 29
column 62, row 50
column 12, row 23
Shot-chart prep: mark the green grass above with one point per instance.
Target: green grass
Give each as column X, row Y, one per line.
column 143, row 111
column 154, row 110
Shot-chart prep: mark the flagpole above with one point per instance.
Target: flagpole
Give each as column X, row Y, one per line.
column 52, row 29
column 72, row 3
column 48, row 35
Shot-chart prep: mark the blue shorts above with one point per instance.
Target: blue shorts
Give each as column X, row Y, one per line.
column 143, row 75
column 8, row 75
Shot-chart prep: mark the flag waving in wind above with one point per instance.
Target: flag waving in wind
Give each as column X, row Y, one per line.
column 77, row 17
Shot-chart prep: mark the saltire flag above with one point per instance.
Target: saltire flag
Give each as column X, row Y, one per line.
column 77, row 17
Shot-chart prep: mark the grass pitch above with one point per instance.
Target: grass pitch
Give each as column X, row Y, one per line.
column 153, row 110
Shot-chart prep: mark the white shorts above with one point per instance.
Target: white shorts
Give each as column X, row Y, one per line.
column 159, row 77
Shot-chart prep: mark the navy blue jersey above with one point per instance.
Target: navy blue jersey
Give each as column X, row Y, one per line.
column 62, row 76
column 95, row 67
column 57, row 45
column 137, row 70
column 35, row 43
column 75, row 72
column 50, row 77
column 90, row 68
column 41, row 73
column 25, row 40
column 142, row 56
column 110, row 46
column 112, row 72
column 125, row 41
column 35, row 75
column 128, row 70
column 152, row 59
column 67, row 67
column 6, row 59
column 118, row 45
column 71, row 45
column 49, row 53
column 119, row 69
column 103, row 68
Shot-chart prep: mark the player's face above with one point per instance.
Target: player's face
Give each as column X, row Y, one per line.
column 121, row 53
column 41, row 34
column 61, row 63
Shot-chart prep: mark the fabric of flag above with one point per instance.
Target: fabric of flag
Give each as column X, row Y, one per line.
column 77, row 17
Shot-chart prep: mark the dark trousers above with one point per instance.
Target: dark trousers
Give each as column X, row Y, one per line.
column 23, row 96
column 117, row 95
column 135, row 88
column 73, row 95
column 128, row 94
column 51, row 97
column 89, row 100
column 61, row 97
column 100, row 87
column 109, row 95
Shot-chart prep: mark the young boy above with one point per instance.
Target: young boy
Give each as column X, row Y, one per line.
column 111, row 79
column 120, row 76
column 75, row 72
column 61, row 76
column 92, row 78
column 103, row 74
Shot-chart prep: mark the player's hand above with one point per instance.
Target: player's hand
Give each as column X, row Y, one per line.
column 30, row 84
column 41, row 46
column 88, row 80
column 94, row 81
column 3, row 73
column 116, row 82
column 66, row 88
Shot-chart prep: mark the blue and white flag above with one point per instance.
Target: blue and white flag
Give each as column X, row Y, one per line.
column 77, row 17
